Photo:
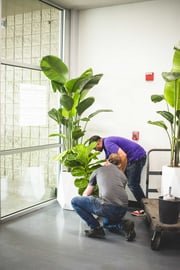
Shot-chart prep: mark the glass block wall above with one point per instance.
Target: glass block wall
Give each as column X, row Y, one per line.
column 25, row 39
column 29, row 31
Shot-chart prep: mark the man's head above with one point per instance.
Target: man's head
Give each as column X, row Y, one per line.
column 98, row 139
column 114, row 159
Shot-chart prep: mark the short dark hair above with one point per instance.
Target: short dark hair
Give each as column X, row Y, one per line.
column 94, row 138
column 114, row 158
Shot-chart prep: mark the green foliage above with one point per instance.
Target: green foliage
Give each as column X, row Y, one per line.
column 82, row 161
column 76, row 156
column 171, row 96
column 73, row 99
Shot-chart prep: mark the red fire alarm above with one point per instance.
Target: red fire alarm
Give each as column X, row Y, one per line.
column 149, row 76
column 135, row 135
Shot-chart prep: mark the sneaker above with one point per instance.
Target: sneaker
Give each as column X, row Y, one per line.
column 95, row 233
column 138, row 213
column 128, row 228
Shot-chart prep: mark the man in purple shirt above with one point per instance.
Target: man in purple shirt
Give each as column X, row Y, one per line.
column 133, row 158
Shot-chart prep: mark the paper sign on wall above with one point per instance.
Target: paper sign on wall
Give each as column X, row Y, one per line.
column 33, row 105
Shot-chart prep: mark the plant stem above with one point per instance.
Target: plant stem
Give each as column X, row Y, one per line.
column 178, row 123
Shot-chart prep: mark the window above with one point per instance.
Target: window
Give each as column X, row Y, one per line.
column 29, row 30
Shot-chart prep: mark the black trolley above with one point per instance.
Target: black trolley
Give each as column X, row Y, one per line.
column 151, row 207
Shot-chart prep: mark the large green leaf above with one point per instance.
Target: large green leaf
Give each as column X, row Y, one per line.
column 176, row 60
column 76, row 97
column 87, row 73
column 172, row 85
column 169, row 93
column 158, row 123
column 170, row 76
column 78, row 83
column 81, row 182
column 93, row 81
column 58, row 134
column 157, row 98
column 91, row 146
column 54, row 68
column 97, row 112
column 77, row 133
column 69, row 85
column 167, row 115
column 66, row 101
column 172, row 89
column 85, row 104
column 56, row 115
column 83, row 83
column 58, row 86
column 78, row 171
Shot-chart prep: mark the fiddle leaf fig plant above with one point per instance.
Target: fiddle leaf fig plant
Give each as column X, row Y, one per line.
column 171, row 96
column 82, row 161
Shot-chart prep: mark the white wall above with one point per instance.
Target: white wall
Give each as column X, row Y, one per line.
column 124, row 42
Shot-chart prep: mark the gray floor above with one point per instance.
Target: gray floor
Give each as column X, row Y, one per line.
column 52, row 239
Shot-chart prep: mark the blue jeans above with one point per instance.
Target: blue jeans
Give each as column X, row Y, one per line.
column 133, row 173
column 86, row 206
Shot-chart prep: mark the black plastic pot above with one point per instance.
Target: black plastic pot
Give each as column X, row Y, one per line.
column 169, row 210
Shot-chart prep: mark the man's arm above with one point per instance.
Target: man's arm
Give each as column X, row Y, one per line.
column 123, row 157
column 88, row 191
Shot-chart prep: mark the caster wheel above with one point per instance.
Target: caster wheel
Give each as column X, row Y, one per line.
column 155, row 241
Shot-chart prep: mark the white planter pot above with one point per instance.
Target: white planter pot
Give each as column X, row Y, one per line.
column 170, row 178
column 66, row 190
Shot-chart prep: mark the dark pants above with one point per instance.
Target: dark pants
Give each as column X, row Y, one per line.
column 133, row 173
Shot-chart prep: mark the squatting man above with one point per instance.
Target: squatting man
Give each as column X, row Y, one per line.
column 111, row 205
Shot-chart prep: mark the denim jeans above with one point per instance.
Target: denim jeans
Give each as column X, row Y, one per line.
column 133, row 173
column 86, row 206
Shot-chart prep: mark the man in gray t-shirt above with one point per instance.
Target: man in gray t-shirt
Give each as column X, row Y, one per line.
column 111, row 182
column 111, row 204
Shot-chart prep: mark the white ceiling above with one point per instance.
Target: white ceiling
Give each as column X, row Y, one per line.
column 86, row 4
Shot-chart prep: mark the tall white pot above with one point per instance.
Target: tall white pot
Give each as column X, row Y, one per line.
column 66, row 190
column 170, row 178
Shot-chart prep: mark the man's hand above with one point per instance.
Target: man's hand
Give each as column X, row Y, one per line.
column 88, row 191
column 123, row 157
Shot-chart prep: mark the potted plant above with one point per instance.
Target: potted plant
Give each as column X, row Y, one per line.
column 82, row 161
column 69, row 116
column 171, row 123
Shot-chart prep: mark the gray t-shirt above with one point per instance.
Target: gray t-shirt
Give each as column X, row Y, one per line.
column 111, row 182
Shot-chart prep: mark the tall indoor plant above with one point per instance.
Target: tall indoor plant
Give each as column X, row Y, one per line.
column 69, row 116
column 73, row 99
column 171, row 116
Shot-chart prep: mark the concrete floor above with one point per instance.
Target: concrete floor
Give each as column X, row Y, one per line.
column 53, row 239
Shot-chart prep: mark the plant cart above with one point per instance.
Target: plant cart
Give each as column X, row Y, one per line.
column 151, row 208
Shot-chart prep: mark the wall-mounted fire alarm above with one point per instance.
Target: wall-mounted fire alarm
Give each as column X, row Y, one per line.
column 135, row 135
column 149, row 76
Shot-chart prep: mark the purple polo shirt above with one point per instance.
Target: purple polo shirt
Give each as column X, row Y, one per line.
column 133, row 150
